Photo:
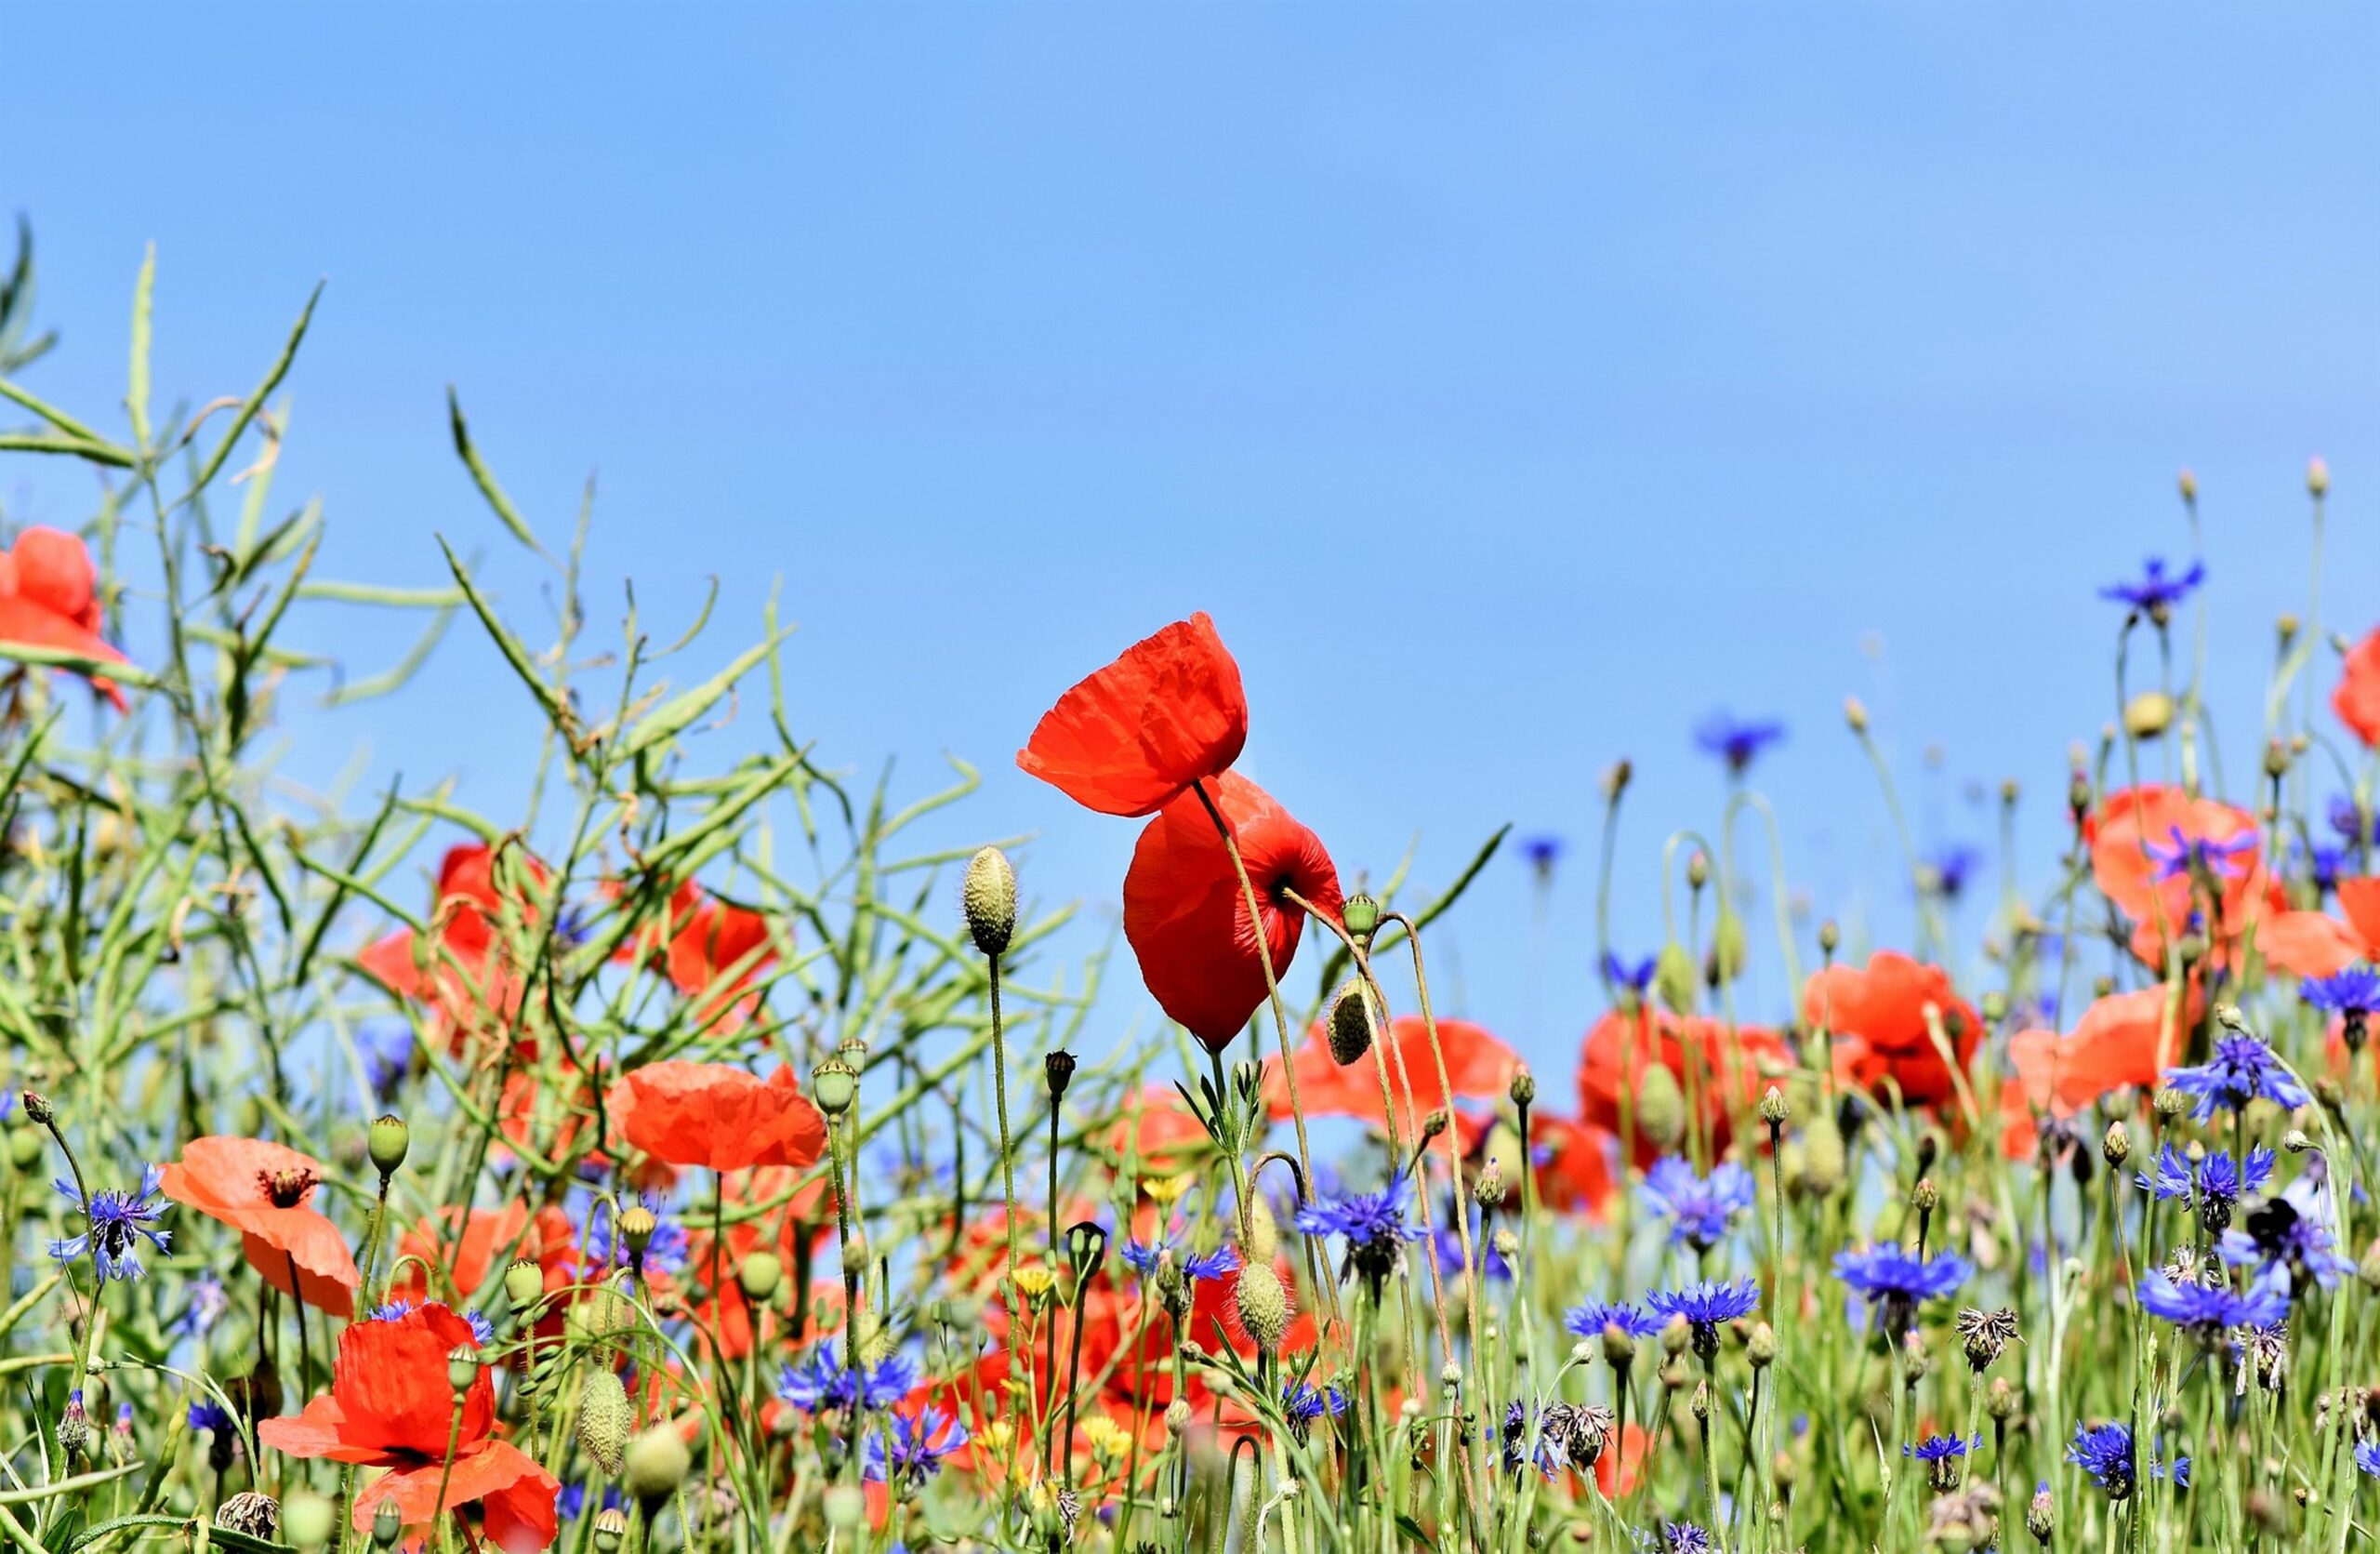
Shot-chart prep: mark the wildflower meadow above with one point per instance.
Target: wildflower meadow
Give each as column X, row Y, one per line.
column 696, row 1160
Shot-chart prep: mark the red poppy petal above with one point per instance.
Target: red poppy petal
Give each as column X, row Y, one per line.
column 1129, row 738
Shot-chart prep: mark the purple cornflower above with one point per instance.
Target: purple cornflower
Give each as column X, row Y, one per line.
column 208, row 1414
column 1699, row 1209
column 1541, row 852
column 2191, row 856
column 386, row 1050
column 2353, row 824
column 1634, row 975
column 207, row 1302
column 821, row 1383
column 1683, row 1537
column 1897, row 1283
column 2349, row 994
column 2367, row 1456
column 1373, row 1225
column 2156, row 594
column 1302, row 1403
column 911, row 1451
column 1589, row 1321
column 119, row 1222
column 1737, row 743
column 2105, row 1453
column 1934, row 1448
column 481, row 1329
column 1951, row 866
column 2244, row 1068
column 2212, row 1309
column 1705, row 1306
column 1194, row 1266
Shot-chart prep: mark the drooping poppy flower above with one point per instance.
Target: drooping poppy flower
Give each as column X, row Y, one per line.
column 469, row 975
column 49, row 598
column 2174, row 864
column 2123, row 1039
column 261, row 1189
column 718, row 1115
column 2315, row 944
column 1478, row 1067
column 1186, row 916
column 1132, row 738
column 1728, row 1068
column 1877, row 1018
column 2357, row 700
column 391, row 1405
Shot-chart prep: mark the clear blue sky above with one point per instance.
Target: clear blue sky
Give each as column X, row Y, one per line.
column 1577, row 369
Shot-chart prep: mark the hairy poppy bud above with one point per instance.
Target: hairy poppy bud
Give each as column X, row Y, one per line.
column 462, row 1367
column 603, row 1418
column 603, row 1311
column 2317, row 476
column 1823, row 1159
column 524, row 1283
column 834, row 1086
column 655, row 1463
column 387, row 1525
column 1263, row 1306
column 307, row 1521
column 988, row 897
column 1360, row 916
column 1660, row 1107
column 1761, row 1347
column 611, row 1528
column 1673, row 977
column 1727, row 949
column 1261, row 1232
column 387, row 1141
column 2148, row 714
column 1352, row 1022
column 758, row 1275
column 1435, row 1122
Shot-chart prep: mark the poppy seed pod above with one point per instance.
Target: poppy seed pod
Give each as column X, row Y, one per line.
column 655, row 1463
column 1263, row 1306
column 524, row 1283
column 1360, row 917
column 603, row 1418
column 1059, row 1069
column 611, row 1528
column 834, row 1086
column 462, row 1367
column 387, row 1141
column 988, row 898
column 637, row 1225
column 1354, row 1022
column 758, row 1275
column 387, row 1525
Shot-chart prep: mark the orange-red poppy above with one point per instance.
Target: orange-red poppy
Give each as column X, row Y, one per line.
column 1877, row 1016
column 391, row 1405
column 1132, row 737
column 2315, row 944
column 1186, row 915
column 2123, row 1039
column 2357, row 700
column 261, row 1189
column 1478, row 1067
column 469, row 975
column 1728, row 1066
column 467, row 1246
column 49, row 598
column 718, row 1115
column 2153, row 849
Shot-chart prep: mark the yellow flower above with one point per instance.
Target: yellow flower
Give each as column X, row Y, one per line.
column 1166, row 1191
column 1034, row 1282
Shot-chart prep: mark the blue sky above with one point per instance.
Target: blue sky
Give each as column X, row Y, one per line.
column 1512, row 385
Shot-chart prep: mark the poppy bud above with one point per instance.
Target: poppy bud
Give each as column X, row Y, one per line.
column 655, row 1463
column 462, row 1367
column 834, row 1086
column 2148, row 714
column 1854, row 712
column 38, row 1109
column 1261, row 1232
column 988, row 897
column 386, row 1141
column 1673, row 977
column 1059, row 1068
column 1359, row 914
column 603, row 1418
column 307, row 1521
column 524, row 1283
column 1727, row 949
column 758, row 1275
column 1435, row 1122
column 611, row 1528
column 2187, row 482
column 1263, row 1306
column 601, row 1313
column 1660, row 1107
column 388, row 1524
column 1352, row 1022
column 2317, row 476
column 637, row 1225
column 1823, row 1159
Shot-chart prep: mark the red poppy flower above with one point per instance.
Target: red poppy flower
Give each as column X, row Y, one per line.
column 1728, row 1068
column 390, row 1405
column 2357, row 700
column 1877, row 1016
column 469, row 1247
column 1133, row 738
column 2315, row 944
column 707, row 946
column 1186, row 915
column 469, row 975
column 260, row 1190
column 49, row 598
column 718, row 1115
column 1478, row 1066
column 2151, row 846
column 2123, row 1039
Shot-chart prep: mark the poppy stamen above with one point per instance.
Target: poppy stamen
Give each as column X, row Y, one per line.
column 287, row 1189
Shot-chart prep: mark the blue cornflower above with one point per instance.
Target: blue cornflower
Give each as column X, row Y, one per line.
column 1699, row 1208
column 1934, row 1448
column 1683, row 1537
column 207, row 1302
column 1737, row 744
column 1897, row 1284
column 2367, row 1456
column 1950, row 866
column 911, row 1451
column 2191, row 856
column 1194, row 1266
column 1705, row 1306
column 2351, row 993
column 821, row 1383
column 572, row 1502
column 2288, row 1232
column 2244, row 1068
column 481, row 1329
column 1634, row 975
column 2353, row 824
column 1301, row 1404
column 1373, row 1225
column 2324, row 865
column 2156, row 593
column 1589, row 1321
column 119, row 1222
column 208, row 1414
column 2224, row 1181
column 2221, row 1181
column 2215, row 1310
column 2106, row 1454
column 1541, row 852
column 386, row 1050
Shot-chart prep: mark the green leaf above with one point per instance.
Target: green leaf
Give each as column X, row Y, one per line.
column 482, row 477
column 254, row 402
column 391, row 598
column 51, row 657
column 509, row 646
column 50, row 413
column 81, row 447
column 673, row 717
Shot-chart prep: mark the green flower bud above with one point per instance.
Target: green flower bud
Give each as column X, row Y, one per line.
column 524, row 1283
column 462, row 1367
column 1523, row 1089
column 1660, row 1107
column 388, row 1524
column 1728, row 947
column 758, row 1274
column 307, row 1521
column 1673, row 977
column 988, row 898
column 1264, row 1305
column 655, row 1463
column 603, row 1418
column 834, row 1086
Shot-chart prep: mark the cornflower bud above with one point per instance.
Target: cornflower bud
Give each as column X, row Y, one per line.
column 1523, row 1089
column 2116, row 1147
column 1487, row 1188
column 1761, row 1347
column 1773, row 1108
